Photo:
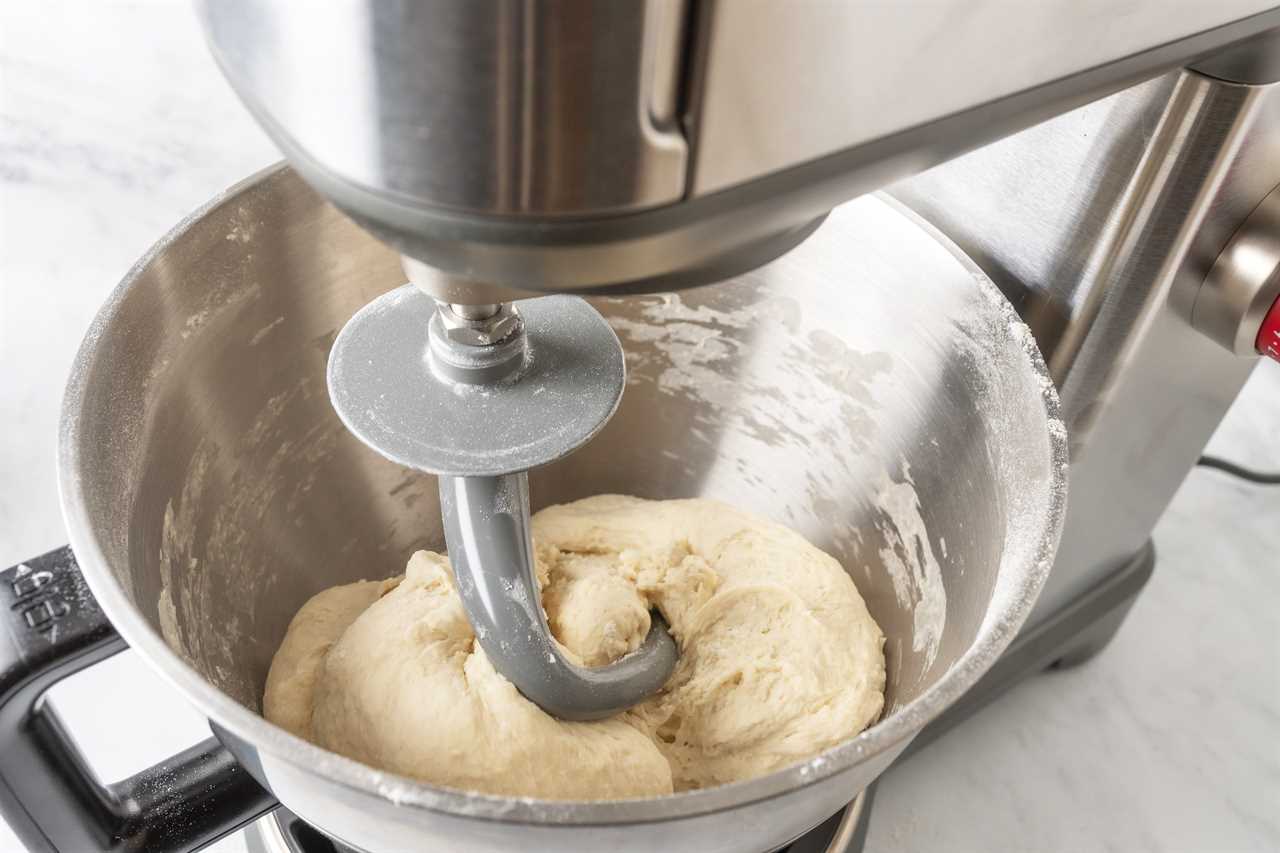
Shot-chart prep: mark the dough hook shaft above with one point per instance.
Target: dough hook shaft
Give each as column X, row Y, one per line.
column 486, row 524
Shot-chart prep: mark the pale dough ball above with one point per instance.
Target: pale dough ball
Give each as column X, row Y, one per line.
column 406, row 688
column 779, row 659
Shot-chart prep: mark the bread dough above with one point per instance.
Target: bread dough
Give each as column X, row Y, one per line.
column 779, row 659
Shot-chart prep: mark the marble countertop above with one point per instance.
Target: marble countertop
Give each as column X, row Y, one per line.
column 114, row 123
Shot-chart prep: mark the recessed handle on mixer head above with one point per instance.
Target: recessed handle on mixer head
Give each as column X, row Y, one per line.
column 53, row 627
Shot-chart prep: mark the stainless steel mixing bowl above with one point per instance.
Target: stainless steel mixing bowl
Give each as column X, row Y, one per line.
column 871, row 389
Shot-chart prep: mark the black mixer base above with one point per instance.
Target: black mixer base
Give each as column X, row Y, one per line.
column 1070, row 637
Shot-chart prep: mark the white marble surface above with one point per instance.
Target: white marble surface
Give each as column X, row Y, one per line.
column 114, row 123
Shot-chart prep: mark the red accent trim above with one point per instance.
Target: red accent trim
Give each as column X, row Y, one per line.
column 1268, row 340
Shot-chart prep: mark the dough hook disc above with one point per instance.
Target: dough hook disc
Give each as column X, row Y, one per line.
column 386, row 390
column 390, row 384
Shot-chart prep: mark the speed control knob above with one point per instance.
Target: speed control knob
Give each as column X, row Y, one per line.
column 1238, row 305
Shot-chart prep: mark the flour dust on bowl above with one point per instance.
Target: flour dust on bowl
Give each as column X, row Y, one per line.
column 870, row 389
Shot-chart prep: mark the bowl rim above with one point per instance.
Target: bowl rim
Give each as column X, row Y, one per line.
column 880, row 739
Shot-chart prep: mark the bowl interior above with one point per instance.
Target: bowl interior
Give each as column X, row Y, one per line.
column 869, row 389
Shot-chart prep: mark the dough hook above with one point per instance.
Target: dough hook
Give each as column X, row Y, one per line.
column 486, row 393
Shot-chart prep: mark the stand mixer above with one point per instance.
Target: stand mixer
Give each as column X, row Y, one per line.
column 606, row 148
column 1113, row 174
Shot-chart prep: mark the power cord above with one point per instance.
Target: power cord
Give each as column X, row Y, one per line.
column 1265, row 478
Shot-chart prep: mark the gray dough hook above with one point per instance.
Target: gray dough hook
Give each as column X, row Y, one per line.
column 486, row 394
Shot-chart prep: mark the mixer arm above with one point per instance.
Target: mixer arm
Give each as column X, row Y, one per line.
column 486, row 525
column 48, row 794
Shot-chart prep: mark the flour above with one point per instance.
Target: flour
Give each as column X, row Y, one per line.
column 909, row 559
column 264, row 331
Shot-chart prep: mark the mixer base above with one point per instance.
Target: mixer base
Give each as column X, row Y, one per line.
column 1069, row 637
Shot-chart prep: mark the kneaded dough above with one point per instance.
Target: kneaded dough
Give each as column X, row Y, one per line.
column 779, row 659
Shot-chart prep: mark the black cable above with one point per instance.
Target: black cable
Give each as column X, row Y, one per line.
column 1265, row 478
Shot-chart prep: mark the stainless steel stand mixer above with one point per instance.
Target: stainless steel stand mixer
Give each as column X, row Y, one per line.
column 538, row 169
column 582, row 148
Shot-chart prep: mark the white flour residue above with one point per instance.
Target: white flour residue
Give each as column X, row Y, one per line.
column 169, row 624
column 243, row 227
column 699, row 353
column 909, row 559
column 208, row 564
column 693, row 341
column 264, row 331
column 194, row 322
column 1000, row 345
column 156, row 372
column 222, row 300
column 176, row 559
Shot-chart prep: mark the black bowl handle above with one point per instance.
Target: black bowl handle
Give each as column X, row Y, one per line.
column 50, row 627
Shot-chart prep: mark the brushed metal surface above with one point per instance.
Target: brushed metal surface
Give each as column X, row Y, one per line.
column 1255, row 60
column 782, row 83
column 209, row 488
column 509, row 107
column 1100, row 226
